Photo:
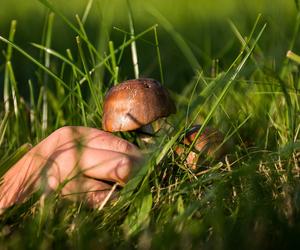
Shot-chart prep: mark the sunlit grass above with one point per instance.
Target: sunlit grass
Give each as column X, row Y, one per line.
column 249, row 200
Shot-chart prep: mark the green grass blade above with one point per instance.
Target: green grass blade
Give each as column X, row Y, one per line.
column 78, row 89
column 113, row 62
column 96, row 99
column 48, row 39
column 293, row 56
column 158, row 56
column 133, row 43
column 87, row 11
column 33, row 109
column 8, row 58
column 3, row 127
column 89, row 45
column 14, row 89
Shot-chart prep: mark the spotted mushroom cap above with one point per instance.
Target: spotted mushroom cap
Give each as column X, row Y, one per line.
column 135, row 103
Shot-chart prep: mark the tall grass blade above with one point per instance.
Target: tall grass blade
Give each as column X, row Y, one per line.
column 33, row 109
column 89, row 45
column 96, row 99
column 158, row 56
column 293, row 56
column 133, row 43
column 14, row 89
column 87, row 11
column 3, row 127
column 48, row 39
column 6, row 74
column 113, row 62
column 78, row 89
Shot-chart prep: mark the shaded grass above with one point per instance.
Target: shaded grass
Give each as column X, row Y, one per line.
column 250, row 200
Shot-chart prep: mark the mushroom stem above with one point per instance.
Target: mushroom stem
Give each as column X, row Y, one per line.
column 147, row 129
column 146, row 140
column 146, row 135
column 149, row 133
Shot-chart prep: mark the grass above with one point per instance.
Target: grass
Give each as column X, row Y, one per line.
column 241, row 84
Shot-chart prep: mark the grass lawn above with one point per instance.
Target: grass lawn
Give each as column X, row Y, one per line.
column 225, row 64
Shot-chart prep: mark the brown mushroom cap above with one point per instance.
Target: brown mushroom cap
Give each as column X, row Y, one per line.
column 208, row 144
column 208, row 141
column 135, row 103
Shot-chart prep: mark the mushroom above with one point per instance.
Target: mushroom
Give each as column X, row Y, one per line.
column 208, row 145
column 135, row 104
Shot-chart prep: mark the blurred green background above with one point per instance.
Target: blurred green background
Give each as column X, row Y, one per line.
column 203, row 24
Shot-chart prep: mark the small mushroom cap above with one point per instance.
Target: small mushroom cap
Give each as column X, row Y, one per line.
column 208, row 141
column 135, row 103
column 208, row 144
